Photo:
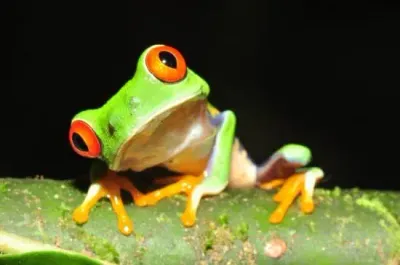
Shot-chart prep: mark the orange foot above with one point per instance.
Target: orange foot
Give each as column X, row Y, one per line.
column 109, row 186
column 300, row 183
column 184, row 184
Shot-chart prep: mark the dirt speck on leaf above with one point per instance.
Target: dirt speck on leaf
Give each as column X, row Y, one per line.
column 217, row 242
column 248, row 253
column 275, row 248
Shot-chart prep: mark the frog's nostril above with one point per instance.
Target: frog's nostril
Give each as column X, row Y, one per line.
column 79, row 143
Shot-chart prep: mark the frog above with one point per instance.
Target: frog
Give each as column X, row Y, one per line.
column 162, row 117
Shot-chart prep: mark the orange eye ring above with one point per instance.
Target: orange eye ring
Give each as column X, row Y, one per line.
column 166, row 64
column 84, row 140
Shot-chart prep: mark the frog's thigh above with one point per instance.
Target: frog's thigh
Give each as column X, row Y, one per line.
column 216, row 176
column 282, row 164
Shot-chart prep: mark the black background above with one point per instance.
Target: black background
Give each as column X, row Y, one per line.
column 321, row 73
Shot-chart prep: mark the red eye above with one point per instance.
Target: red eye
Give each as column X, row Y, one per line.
column 166, row 63
column 83, row 139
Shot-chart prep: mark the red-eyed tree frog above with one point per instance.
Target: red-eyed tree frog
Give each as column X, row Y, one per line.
column 161, row 117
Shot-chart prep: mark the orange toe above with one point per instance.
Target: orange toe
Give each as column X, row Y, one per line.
column 188, row 218
column 307, row 206
column 283, row 192
column 80, row 215
column 276, row 217
column 125, row 225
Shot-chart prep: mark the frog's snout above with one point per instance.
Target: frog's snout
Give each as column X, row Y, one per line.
column 84, row 140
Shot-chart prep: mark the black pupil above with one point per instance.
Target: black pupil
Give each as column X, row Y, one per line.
column 168, row 59
column 79, row 143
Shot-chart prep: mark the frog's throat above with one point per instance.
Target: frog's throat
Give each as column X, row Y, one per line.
column 160, row 114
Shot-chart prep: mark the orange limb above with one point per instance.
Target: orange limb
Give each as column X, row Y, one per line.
column 291, row 188
column 306, row 199
column 188, row 218
column 281, row 194
column 109, row 186
column 184, row 184
column 271, row 184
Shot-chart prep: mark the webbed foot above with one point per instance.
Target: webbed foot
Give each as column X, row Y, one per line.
column 301, row 183
column 109, row 186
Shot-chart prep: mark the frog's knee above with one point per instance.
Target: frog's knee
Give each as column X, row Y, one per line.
column 296, row 153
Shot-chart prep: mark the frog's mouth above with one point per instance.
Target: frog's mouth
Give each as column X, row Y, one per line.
column 148, row 144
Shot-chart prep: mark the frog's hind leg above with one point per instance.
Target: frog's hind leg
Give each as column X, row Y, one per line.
column 108, row 186
column 284, row 169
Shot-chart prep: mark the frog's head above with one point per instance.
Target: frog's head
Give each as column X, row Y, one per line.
column 161, row 82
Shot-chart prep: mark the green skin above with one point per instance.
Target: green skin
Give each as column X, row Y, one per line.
column 140, row 110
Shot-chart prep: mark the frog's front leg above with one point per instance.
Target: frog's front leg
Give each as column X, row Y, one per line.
column 285, row 169
column 107, row 183
column 215, row 177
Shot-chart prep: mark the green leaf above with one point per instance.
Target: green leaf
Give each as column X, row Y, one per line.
column 46, row 257
column 347, row 227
